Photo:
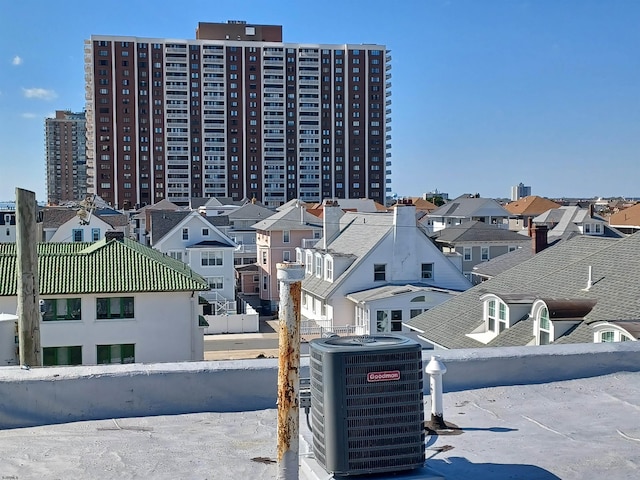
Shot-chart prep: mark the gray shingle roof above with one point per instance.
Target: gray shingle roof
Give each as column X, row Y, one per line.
column 557, row 272
column 289, row 219
column 359, row 234
column 467, row 207
column 475, row 231
column 250, row 211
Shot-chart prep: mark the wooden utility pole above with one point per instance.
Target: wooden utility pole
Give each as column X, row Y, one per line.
column 27, row 277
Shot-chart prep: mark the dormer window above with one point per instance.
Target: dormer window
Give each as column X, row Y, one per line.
column 309, row 262
column 328, row 269
column 496, row 323
column 318, row 266
column 544, row 329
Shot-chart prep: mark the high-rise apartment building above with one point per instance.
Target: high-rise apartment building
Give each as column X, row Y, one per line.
column 65, row 139
column 520, row 191
column 236, row 113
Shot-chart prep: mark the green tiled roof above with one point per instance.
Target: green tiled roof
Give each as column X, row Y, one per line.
column 101, row 267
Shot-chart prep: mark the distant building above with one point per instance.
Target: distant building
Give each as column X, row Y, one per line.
column 236, row 113
column 520, row 191
column 65, row 140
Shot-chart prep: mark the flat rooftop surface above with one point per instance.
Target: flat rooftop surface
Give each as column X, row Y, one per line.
column 577, row 429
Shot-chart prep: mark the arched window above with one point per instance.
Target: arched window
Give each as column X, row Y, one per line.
column 544, row 330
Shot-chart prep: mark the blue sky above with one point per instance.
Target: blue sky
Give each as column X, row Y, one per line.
column 486, row 94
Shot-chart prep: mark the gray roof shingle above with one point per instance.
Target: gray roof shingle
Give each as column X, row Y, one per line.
column 558, row 272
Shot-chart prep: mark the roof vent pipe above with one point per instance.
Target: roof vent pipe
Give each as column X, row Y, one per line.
column 590, row 278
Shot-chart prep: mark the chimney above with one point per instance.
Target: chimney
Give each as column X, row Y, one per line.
column 591, row 210
column 405, row 231
column 114, row 235
column 539, row 238
column 330, row 221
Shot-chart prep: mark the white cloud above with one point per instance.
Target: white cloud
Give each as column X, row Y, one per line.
column 16, row 61
column 39, row 93
column 29, row 115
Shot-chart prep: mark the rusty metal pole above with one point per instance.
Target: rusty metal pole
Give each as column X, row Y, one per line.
column 290, row 277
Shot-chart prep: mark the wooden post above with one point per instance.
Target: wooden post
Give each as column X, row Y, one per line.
column 27, row 277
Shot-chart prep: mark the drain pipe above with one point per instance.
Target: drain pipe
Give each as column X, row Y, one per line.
column 290, row 277
column 435, row 368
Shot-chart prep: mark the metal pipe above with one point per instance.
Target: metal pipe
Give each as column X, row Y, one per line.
column 435, row 368
column 290, row 277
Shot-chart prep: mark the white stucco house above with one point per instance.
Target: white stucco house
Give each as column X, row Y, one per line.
column 76, row 225
column 193, row 239
column 370, row 270
column 112, row 301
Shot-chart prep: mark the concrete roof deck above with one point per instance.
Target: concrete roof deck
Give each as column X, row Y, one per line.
column 548, row 412
column 585, row 428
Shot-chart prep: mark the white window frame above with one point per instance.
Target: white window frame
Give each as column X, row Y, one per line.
column 467, row 253
column 286, row 255
column 485, row 254
column 328, row 269
column 318, row 266
column 309, row 262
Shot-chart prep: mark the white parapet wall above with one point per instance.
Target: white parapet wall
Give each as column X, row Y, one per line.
column 41, row 396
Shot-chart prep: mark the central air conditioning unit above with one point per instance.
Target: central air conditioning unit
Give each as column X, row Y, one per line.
column 367, row 411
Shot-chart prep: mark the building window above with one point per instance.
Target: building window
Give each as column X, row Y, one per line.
column 318, row 266
column 205, row 232
column 328, row 270
column 427, row 270
column 607, row 336
column 286, row 236
column 77, row 235
column 52, row 356
column 215, row 283
column 177, row 254
column 264, row 257
column 496, row 324
column 95, row 234
column 286, row 256
column 62, row 309
column 414, row 312
column 587, row 228
column 379, row 272
column 598, row 228
column 396, row 320
column 114, row 307
column 467, row 252
column 484, row 253
column 208, row 259
column 382, row 321
column 185, row 234
column 309, row 263
column 124, row 353
column 544, row 335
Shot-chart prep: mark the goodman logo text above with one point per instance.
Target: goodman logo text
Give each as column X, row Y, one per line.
column 390, row 376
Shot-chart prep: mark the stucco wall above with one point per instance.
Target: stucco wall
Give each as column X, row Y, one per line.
column 164, row 328
column 65, row 394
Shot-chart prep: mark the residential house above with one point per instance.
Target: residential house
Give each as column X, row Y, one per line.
column 141, row 219
column 463, row 209
column 573, row 218
column 193, row 239
column 582, row 290
column 248, row 279
column 7, row 225
column 277, row 238
column 370, row 270
column 111, row 301
column 73, row 224
column 478, row 242
column 525, row 209
column 219, row 206
column 539, row 241
column 240, row 229
column 627, row 220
